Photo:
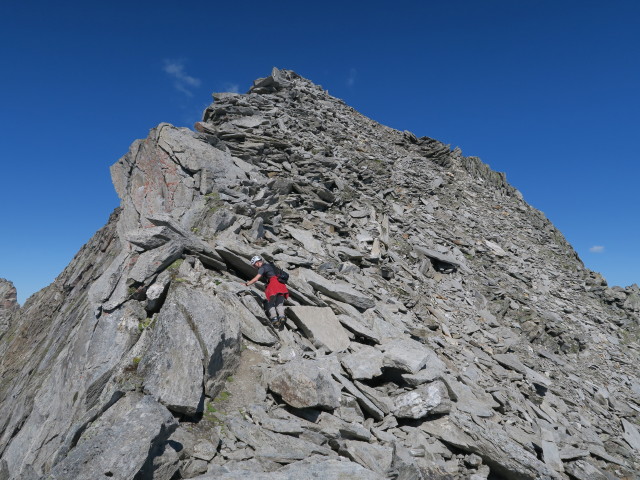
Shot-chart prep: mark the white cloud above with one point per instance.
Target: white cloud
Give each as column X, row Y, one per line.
column 183, row 82
column 351, row 79
column 597, row 249
column 232, row 87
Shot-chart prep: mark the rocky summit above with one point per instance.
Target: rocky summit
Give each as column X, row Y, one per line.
column 438, row 326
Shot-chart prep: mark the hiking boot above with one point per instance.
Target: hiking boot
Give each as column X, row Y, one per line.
column 280, row 322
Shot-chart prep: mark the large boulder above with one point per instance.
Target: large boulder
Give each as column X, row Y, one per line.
column 306, row 383
column 118, row 443
column 321, row 326
column 195, row 342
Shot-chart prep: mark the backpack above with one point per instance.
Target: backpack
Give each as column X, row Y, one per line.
column 282, row 276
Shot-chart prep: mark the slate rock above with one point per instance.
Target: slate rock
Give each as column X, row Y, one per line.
column 308, row 468
column 305, row 384
column 321, row 326
column 195, row 332
column 118, row 444
column 340, row 291
column 365, row 363
column 429, row 399
column 405, row 354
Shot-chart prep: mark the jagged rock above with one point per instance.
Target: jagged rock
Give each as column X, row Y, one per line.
column 305, row 384
column 307, row 241
column 631, row 435
column 359, row 329
column 310, row 468
column 273, row 446
column 490, row 442
column 118, row 444
column 424, row 400
column 8, row 303
column 366, row 363
column 337, row 290
column 321, row 326
column 406, row 355
column 195, row 332
column 373, row 457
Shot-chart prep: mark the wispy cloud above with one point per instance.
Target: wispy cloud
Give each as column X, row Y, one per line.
column 351, row 79
column 182, row 81
column 232, row 87
column 597, row 249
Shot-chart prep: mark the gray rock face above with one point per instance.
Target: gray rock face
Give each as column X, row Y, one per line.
column 446, row 325
column 195, row 332
column 406, row 355
column 305, row 384
column 8, row 303
column 337, row 290
column 118, row 444
column 322, row 327
column 432, row 398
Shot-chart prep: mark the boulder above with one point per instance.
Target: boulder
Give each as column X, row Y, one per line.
column 365, row 363
column 340, row 291
column 305, row 384
column 405, row 354
column 321, row 326
column 118, row 444
column 195, row 341
column 429, row 399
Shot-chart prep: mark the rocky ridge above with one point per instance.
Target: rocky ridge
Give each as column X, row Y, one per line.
column 438, row 326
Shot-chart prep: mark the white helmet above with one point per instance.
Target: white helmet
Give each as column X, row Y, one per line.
column 255, row 259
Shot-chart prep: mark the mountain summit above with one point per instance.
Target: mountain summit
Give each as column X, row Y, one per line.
column 438, row 327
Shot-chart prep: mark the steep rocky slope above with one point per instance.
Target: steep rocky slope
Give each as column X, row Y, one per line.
column 438, row 326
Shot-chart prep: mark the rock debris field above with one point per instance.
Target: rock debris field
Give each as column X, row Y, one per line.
column 439, row 327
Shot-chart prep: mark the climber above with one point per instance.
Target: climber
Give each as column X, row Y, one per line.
column 276, row 291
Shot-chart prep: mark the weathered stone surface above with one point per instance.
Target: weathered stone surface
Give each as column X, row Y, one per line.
column 310, row 468
column 358, row 328
column 304, row 384
column 273, row 446
column 424, row 400
column 306, row 239
column 338, row 290
column 373, row 457
column 321, row 326
column 118, row 444
column 631, row 435
column 8, row 303
column 195, row 332
column 366, row 363
column 405, row 354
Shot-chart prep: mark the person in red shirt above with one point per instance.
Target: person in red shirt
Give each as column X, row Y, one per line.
column 276, row 291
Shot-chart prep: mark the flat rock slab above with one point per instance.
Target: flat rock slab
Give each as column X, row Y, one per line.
column 305, row 384
column 322, row 327
column 509, row 360
column 425, row 400
column 359, row 328
column 340, row 291
column 406, row 354
column 488, row 440
column 117, row 444
column 273, row 446
column 631, row 435
column 328, row 468
column 364, row 364
column 309, row 243
column 374, row 457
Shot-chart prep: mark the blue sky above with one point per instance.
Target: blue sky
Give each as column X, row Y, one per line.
column 545, row 91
